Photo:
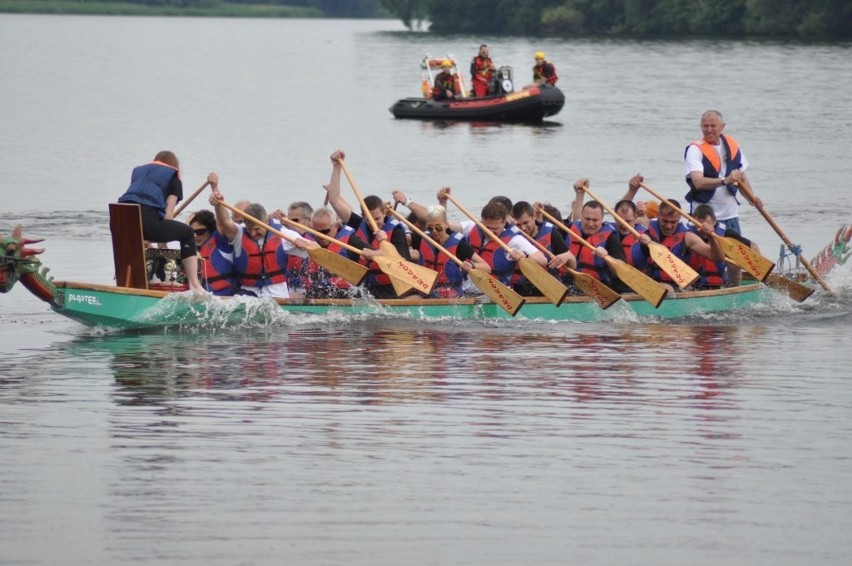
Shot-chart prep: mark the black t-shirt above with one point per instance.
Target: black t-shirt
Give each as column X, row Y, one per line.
column 398, row 239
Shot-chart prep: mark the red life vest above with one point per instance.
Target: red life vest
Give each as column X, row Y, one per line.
column 486, row 248
column 711, row 275
column 259, row 267
column 217, row 272
column 633, row 249
column 587, row 261
column 450, row 276
column 546, row 71
column 482, row 69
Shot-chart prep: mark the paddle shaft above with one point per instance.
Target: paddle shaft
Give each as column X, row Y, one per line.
column 319, row 234
column 574, row 236
column 426, row 237
column 386, row 247
column 251, row 218
column 191, row 198
column 549, row 286
column 650, row 290
column 618, row 218
column 749, row 194
column 367, row 216
column 482, row 226
column 748, row 258
column 673, row 207
column 675, row 267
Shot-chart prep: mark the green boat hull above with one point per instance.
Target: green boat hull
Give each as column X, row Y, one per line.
column 123, row 308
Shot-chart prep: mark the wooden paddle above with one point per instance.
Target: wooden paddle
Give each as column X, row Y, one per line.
column 749, row 194
column 590, row 286
column 793, row 289
column 413, row 277
column 395, row 268
column 351, row 271
column 742, row 254
column 191, row 198
column 650, row 290
column 549, row 285
column 675, row 267
column 500, row 294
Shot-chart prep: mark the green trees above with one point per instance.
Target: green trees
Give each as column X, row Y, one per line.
column 729, row 18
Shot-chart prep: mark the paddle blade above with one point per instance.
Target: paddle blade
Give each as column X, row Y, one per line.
column 500, row 294
column 595, row 289
column 411, row 275
column 793, row 289
column 401, row 288
column 549, row 285
column 650, row 290
column 353, row 272
column 744, row 256
column 680, row 272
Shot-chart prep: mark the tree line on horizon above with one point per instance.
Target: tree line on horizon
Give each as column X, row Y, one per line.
column 328, row 8
column 724, row 18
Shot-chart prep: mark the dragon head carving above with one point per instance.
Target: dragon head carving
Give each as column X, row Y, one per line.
column 16, row 259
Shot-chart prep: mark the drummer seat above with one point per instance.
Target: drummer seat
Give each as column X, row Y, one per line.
column 128, row 247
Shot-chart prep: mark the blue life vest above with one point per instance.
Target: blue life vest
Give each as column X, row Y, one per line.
column 217, row 273
column 149, row 184
column 676, row 243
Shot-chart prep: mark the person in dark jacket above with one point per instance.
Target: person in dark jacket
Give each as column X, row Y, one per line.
column 156, row 187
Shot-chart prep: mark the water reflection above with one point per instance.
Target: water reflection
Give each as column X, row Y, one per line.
column 399, row 362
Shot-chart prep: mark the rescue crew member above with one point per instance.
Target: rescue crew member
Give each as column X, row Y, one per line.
column 156, row 187
column 544, row 72
column 481, row 72
column 445, row 82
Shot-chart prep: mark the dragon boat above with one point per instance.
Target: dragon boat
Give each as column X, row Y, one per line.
column 529, row 105
column 132, row 303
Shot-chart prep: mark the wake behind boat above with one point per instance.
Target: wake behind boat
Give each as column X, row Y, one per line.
column 530, row 105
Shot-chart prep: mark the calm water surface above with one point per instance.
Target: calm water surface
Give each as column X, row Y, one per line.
column 322, row 440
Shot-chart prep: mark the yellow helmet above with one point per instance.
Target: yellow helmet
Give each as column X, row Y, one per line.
column 539, row 55
column 446, row 64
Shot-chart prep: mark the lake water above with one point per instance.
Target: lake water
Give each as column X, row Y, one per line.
column 717, row 440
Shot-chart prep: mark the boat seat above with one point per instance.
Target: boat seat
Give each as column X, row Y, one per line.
column 128, row 248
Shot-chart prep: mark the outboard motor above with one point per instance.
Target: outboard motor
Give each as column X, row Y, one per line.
column 503, row 79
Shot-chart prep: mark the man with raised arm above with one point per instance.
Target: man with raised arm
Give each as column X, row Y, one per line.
column 390, row 229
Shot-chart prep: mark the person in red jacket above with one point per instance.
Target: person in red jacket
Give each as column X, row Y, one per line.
column 481, row 72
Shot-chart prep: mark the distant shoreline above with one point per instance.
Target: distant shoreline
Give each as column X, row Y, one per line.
column 223, row 10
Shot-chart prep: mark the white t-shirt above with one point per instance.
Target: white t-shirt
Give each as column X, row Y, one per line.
column 274, row 290
column 724, row 204
column 517, row 242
